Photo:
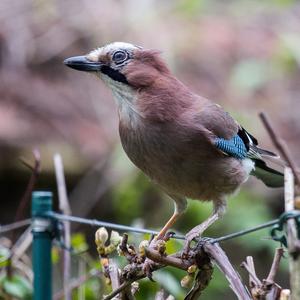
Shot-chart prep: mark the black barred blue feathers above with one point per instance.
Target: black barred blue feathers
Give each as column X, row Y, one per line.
column 243, row 145
column 234, row 147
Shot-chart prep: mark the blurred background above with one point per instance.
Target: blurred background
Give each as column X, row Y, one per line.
column 243, row 54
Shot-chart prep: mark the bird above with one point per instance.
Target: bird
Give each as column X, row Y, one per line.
column 186, row 144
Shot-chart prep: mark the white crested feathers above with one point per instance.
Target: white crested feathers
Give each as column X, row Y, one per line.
column 110, row 48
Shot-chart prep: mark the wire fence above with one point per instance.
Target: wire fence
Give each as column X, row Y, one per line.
column 124, row 228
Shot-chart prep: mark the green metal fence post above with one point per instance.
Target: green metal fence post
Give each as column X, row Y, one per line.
column 42, row 242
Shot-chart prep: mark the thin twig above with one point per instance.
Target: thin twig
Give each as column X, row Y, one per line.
column 275, row 265
column 14, row 226
column 123, row 286
column 78, row 282
column 64, row 207
column 26, row 198
column 22, row 244
column 281, row 146
column 254, row 280
column 167, row 260
column 267, row 288
column 113, row 271
column 30, row 186
column 250, row 263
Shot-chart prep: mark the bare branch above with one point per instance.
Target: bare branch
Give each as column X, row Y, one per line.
column 222, row 261
column 250, row 268
column 64, row 207
column 25, row 199
column 266, row 289
column 281, row 146
column 122, row 287
column 275, row 265
column 167, row 260
column 113, row 274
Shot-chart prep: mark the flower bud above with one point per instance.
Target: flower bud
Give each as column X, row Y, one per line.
column 101, row 236
column 115, row 238
column 135, row 287
column 192, row 269
column 142, row 246
column 187, row 281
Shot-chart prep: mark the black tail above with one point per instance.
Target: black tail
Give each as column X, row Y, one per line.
column 269, row 176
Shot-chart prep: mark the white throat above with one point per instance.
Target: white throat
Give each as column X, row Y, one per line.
column 125, row 97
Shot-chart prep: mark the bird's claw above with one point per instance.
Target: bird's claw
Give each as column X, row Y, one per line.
column 157, row 245
column 148, row 265
column 148, row 268
column 190, row 236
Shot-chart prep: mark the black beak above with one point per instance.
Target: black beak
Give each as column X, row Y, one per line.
column 81, row 63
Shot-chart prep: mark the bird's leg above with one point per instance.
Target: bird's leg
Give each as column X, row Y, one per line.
column 180, row 206
column 168, row 225
column 218, row 211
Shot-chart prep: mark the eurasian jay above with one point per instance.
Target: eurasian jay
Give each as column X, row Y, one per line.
column 185, row 143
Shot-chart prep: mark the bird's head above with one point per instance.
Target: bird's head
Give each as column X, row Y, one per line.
column 121, row 65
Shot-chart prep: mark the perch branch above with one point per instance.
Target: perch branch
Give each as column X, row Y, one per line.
column 134, row 271
column 167, row 260
column 222, row 261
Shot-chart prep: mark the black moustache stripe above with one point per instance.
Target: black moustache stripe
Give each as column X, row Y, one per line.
column 114, row 74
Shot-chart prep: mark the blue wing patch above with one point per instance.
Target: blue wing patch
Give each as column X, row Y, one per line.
column 234, row 147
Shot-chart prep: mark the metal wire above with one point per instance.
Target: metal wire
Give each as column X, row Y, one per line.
column 13, row 226
column 141, row 230
column 97, row 223
column 244, row 232
column 94, row 222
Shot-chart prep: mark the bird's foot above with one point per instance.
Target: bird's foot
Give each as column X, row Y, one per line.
column 158, row 245
column 148, row 268
column 149, row 265
column 196, row 232
column 189, row 237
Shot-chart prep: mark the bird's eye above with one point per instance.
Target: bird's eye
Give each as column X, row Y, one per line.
column 119, row 57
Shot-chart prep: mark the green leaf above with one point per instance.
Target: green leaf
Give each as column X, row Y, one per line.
column 78, row 242
column 169, row 283
column 17, row 286
column 4, row 255
column 290, row 43
column 55, row 255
